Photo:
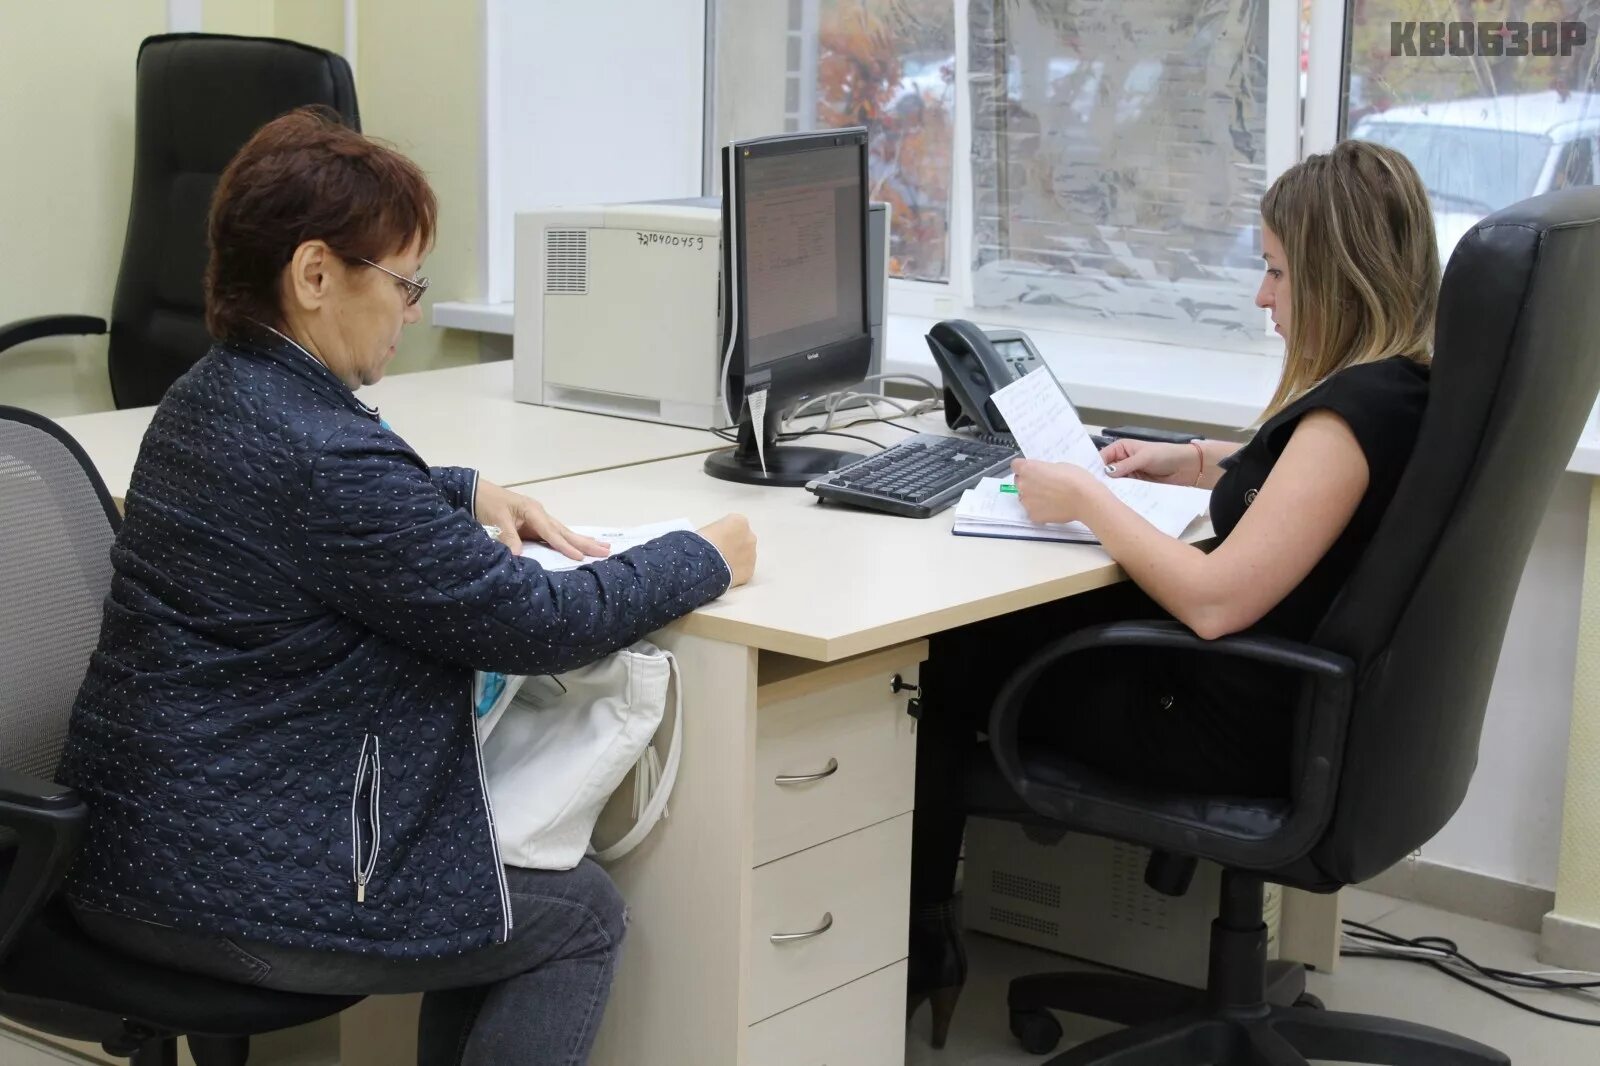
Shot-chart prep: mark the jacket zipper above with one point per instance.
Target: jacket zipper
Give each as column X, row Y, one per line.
column 368, row 775
column 488, row 811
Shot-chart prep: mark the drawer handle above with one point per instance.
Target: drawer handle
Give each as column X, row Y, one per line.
column 789, row 938
column 800, row 779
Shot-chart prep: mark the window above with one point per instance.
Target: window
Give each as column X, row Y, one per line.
column 888, row 65
column 1483, row 131
column 1118, row 160
column 1098, row 165
column 1577, row 164
column 1110, row 160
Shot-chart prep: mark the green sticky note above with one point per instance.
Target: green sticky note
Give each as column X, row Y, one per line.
column 1009, row 488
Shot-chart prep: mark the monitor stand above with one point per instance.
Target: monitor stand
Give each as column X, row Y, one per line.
column 788, row 465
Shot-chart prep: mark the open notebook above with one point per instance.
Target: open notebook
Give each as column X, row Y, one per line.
column 1048, row 429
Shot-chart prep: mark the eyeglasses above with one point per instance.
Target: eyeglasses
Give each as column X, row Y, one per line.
column 415, row 287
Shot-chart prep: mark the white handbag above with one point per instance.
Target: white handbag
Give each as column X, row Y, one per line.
column 556, row 748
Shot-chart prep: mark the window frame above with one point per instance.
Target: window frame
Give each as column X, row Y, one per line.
column 1286, row 144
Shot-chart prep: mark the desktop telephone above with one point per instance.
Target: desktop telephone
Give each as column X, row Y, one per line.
column 975, row 363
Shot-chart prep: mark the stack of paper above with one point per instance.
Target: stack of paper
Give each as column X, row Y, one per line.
column 620, row 539
column 1048, row 429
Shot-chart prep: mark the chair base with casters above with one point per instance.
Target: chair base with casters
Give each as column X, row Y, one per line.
column 1239, row 1020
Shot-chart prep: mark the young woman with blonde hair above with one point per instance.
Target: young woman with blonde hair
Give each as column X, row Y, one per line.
column 1352, row 281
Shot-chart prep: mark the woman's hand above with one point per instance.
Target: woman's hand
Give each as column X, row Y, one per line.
column 1143, row 460
column 731, row 536
column 1053, row 492
column 518, row 517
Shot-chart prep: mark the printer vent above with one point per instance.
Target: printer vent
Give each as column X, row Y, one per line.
column 566, row 261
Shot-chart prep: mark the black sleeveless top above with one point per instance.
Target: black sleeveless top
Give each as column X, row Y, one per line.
column 1383, row 404
column 1250, row 704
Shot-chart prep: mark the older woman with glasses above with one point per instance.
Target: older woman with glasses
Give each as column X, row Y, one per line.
column 275, row 736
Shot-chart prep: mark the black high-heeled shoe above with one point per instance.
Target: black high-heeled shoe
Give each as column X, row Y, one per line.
column 937, row 967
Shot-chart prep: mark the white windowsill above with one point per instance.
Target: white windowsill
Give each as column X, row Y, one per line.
column 480, row 318
column 1131, row 377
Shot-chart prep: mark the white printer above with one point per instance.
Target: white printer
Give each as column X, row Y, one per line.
column 619, row 308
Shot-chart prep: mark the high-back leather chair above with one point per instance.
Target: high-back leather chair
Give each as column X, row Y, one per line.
column 57, row 522
column 1395, row 679
column 198, row 98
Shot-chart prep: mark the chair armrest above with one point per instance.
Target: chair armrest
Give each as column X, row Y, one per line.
column 1324, row 716
column 31, row 329
column 41, row 824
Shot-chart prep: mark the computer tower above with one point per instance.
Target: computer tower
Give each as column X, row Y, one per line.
column 1086, row 897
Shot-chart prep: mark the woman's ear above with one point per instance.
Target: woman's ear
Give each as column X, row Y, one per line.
column 308, row 275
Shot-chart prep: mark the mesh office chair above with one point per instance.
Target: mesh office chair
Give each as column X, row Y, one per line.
column 57, row 522
column 1396, row 677
column 198, row 98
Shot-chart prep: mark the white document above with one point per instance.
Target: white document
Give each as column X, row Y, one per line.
column 758, row 418
column 1044, row 423
column 1049, row 430
column 620, row 539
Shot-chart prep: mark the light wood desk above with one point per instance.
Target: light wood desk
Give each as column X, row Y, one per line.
column 461, row 416
column 790, row 675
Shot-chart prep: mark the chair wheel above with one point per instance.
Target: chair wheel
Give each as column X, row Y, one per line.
column 1037, row 1030
column 1309, row 1001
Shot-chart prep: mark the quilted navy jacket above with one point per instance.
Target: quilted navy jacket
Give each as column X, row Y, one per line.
column 279, row 705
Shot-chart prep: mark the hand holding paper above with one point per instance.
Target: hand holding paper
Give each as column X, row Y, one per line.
column 1044, row 423
column 1049, row 430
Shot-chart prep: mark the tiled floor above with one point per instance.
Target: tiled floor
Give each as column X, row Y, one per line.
column 1401, row 990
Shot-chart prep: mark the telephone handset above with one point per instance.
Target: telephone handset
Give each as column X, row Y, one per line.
column 975, row 364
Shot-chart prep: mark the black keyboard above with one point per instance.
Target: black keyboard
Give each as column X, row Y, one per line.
column 917, row 477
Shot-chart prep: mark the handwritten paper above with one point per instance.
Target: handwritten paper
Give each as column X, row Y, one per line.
column 1044, row 423
column 1049, row 430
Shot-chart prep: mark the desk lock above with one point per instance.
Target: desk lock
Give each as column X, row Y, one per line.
column 898, row 684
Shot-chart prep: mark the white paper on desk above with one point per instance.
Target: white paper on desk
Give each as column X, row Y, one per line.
column 1048, row 429
column 1170, row 508
column 620, row 539
column 988, row 507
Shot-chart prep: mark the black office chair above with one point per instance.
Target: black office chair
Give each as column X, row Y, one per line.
column 1395, row 679
column 198, row 98
column 57, row 522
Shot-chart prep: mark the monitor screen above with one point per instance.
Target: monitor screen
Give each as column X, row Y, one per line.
column 802, row 223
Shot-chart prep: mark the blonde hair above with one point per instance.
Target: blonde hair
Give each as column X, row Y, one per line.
column 1363, row 263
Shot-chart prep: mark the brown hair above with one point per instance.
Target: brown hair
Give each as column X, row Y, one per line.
column 305, row 176
column 1363, row 263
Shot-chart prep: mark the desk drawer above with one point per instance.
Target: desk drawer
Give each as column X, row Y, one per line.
column 835, row 749
column 861, row 1024
column 843, row 904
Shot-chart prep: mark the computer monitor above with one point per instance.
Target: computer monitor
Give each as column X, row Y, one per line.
column 794, row 224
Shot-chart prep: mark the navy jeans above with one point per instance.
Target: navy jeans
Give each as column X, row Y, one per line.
column 535, row 1000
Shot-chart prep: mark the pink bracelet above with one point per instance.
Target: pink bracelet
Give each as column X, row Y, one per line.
column 1201, row 452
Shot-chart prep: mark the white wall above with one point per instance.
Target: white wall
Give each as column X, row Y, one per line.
column 588, row 103
column 66, row 138
column 1509, row 826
